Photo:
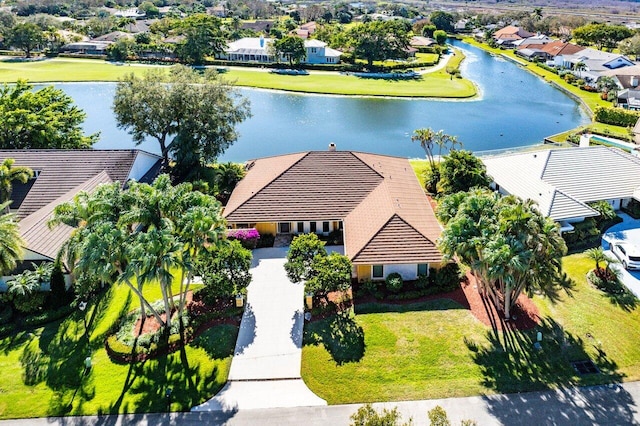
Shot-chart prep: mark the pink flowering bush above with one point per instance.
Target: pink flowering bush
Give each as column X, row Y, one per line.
column 247, row 237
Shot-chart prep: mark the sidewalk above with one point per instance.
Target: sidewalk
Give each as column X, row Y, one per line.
column 265, row 370
column 596, row 405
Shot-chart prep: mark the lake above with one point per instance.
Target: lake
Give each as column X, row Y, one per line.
column 514, row 109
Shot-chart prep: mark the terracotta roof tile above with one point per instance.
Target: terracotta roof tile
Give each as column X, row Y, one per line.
column 386, row 215
column 63, row 170
column 34, row 230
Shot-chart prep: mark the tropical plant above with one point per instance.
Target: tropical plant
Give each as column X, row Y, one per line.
column 9, row 174
column 226, row 271
column 367, row 416
column 11, row 243
column 605, row 272
column 579, row 67
column 460, row 171
column 507, row 244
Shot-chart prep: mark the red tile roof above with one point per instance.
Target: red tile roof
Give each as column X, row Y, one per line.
column 559, row 47
column 386, row 215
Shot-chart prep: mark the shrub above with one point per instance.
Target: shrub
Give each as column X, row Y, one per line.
column 367, row 416
column 266, row 240
column 6, row 329
column 247, row 237
column 423, row 281
column 611, row 286
column 615, row 116
column 438, row 417
column 548, row 68
column 448, row 277
column 632, row 209
column 48, row 316
column 5, row 313
column 569, row 78
column 59, row 295
column 394, row 282
column 580, row 83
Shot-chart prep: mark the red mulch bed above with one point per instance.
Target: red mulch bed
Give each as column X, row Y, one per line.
column 151, row 324
column 526, row 313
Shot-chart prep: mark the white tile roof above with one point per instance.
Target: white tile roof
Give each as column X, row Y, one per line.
column 562, row 181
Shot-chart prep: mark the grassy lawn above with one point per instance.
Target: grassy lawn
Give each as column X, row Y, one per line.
column 43, row 368
column 436, row 84
column 618, row 132
column 437, row 349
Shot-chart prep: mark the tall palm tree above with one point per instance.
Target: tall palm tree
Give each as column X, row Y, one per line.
column 426, row 137
column 9, row 174
column 11, row 243
column 580, row 66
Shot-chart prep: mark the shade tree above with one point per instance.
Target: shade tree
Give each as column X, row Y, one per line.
column 379, row 41
column 40, row 119
column 192, row 116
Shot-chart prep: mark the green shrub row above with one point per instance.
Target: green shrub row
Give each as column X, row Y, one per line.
column 47, row 316
column 615, row 116
column 547, row 67
column 7, row 329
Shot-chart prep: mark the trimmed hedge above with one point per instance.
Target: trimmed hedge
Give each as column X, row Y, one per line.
column 47, row 316
column 615, row 116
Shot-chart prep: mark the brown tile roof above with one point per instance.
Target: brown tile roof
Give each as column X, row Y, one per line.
column 317, row 186
column 34, row 230
column 386, row 215
column 559, row 47
column 63, row 170
column 512, row 33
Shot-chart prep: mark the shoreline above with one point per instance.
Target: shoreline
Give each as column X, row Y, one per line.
column 237, row 83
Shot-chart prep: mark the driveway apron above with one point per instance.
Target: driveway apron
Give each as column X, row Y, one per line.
column 265, row 370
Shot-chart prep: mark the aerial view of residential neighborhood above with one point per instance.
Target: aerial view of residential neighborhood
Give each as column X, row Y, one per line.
column 285, row 212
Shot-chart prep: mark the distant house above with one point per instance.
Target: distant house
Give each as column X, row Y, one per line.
column 563, row 181
column 254, row 49
column 625, row 77
column 58, row 176
column 595, row 62
column 461, row 25
column 258, row 26
column 86, row 47
column 374, row 200
column 113, row 36
column 538, row 39
column 420, row 41
column 306, row 30
column 507, row 36
column 129, row 13
column 218, row 10
column 548, row 50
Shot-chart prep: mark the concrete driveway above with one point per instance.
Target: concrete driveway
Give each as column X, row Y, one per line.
column 265, row 370
column 627, row 231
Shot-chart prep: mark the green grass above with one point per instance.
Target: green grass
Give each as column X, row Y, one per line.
column 419, row 168
column 437, row 349
column 66, row 69
column 608, row 129
column 43, row 368
column 436, row 84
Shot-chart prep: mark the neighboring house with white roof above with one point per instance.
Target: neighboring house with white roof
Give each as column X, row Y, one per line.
column 595, row 62
column 563, row 181
column 257, row 49
column 536, row 39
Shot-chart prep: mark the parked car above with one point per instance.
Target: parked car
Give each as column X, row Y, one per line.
column 628, row 254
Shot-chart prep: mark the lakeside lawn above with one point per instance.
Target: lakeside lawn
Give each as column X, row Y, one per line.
column 436, row 84
column 437, row 349
column 42, row 369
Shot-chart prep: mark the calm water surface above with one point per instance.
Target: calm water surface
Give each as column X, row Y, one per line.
column 514, row 109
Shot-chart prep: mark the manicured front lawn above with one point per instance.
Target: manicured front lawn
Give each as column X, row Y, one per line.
column 437, row 349
column 43, row 370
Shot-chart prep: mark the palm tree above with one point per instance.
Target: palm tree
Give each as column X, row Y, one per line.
column 11, row 243
column 10, row 174
column 426, row 137
column 598, row 256
column 580, row 66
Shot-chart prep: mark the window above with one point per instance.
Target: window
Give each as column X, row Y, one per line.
column 300, row 227
column 325, row 226
column 423, row 269
column 314, row 50
column 312, row 227
column 284, row 227
column 378, row 271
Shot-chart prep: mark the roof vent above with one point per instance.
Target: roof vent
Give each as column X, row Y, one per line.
column 332, row 146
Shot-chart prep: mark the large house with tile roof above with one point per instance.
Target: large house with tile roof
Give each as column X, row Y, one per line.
column 564, row 181
column 375, row 200
column 58, row 176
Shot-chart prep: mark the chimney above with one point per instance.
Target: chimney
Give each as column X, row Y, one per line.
column 332, row 146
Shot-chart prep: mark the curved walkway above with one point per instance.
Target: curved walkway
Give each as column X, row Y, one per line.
column 265, row 370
